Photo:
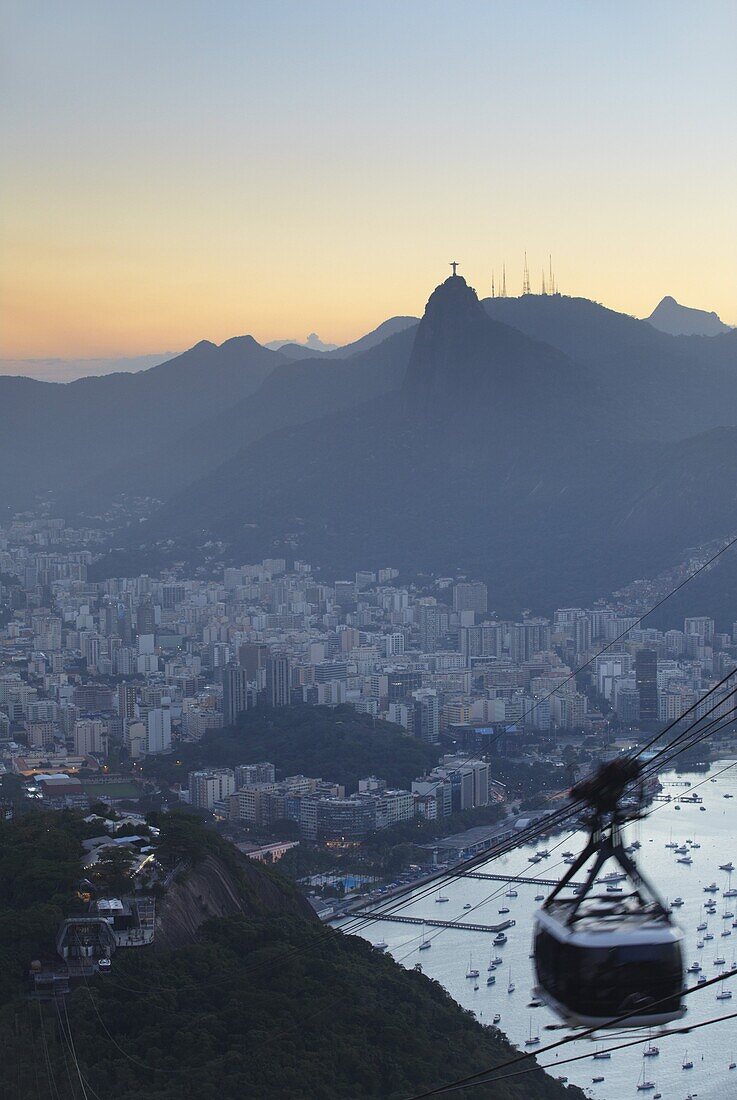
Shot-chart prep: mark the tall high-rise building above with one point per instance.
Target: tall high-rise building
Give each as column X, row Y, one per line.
column 159, row 729
column 470, row 596
column 401, row 683
column 427, row 715
column 432, row 624
column 278, row 681
column 646, row 678
column 235, row 693
column 126, row 702
column 145, row 617
column 252, row 656
column 90, row 735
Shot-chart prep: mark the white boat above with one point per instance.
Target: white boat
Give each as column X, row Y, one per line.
column 499, row 939
column 644, row 1085
column 677, row 903
column 504, row 909
column 471, row 972
column 533, row 1039
column 724, row 994
column 694, row 968
column 511, row 894
column 685, row 859
column 700, row 944
column 381, row 945
column 467, row 905
column 602, row 1055
column 441, row 898
column 711, row 889
column 425, row 944
column 708, row 935
column 539, row 897
column 728, row 867
column 651, row 1050
column 731, row 893
column 510, row 987
column 687, row 1063
column 491, row 980
column 497, row 960
column 702, row 927
column 497, row 1018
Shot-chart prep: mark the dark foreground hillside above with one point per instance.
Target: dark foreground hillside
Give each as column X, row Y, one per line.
column 257, row 1005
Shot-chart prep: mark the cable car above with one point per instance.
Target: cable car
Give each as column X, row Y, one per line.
column 604, row 959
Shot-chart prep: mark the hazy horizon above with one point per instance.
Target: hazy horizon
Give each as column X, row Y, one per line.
column 601, row 135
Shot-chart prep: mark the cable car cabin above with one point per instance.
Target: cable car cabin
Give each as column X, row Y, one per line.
column 600, row 958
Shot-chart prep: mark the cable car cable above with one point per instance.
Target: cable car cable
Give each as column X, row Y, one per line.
column 566, row 813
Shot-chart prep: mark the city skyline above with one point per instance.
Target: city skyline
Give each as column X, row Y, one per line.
column 201, row 179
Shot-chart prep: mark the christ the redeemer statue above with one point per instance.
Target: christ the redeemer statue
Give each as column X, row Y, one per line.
column 454, row 265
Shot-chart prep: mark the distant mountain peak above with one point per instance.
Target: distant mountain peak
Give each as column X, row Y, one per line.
column 678, row 320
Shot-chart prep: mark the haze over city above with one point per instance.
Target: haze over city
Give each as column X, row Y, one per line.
column 368, row 550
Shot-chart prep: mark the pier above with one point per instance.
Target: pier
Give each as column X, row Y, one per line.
column 465, row 926
column 511, row 878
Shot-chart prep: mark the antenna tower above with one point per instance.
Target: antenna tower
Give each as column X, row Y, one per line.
column 504, row 281
column 492, row 285
column 526, row 278
column 542, row 284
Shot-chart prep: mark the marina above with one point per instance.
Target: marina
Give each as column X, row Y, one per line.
column 506, row 1004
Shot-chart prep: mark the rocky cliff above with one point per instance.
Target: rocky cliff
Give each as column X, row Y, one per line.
column 214, row 888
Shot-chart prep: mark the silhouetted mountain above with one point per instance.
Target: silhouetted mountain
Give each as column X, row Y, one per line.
column 650, row 384
column 495, row 457
column 313, row 343
column 55, row 436
column 293, row 393
column 364, row 343
column 677, row 320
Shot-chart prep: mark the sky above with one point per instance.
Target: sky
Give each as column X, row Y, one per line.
column 180, row 170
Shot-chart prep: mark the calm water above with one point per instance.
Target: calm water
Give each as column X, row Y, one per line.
column 710, row 1049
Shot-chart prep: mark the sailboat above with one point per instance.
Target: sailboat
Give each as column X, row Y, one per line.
column 724, row 994
column 533, row 1039
column 687, row 1063
column 510, row 987
column 441, row 897
column 650, row 1051
column 600, row 1055
column 472, row 972
column 426, row 944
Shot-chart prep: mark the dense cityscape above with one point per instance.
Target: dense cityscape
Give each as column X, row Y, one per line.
column 368, row 551
column 98, row 678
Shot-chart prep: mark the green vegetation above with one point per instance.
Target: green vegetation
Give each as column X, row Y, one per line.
column 39, row 869
column 272, row 1009
column 267, row 1005
column 334, row 743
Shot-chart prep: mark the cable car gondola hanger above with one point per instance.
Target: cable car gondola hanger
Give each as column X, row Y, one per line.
column 599, row 957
